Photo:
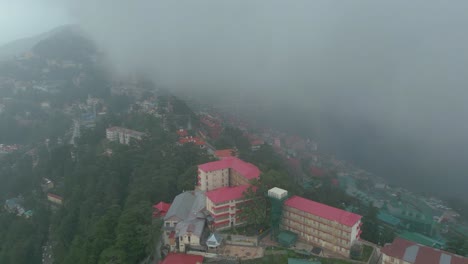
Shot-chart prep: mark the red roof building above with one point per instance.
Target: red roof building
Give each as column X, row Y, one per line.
column 229, row 171
column 226, row 194
column 225, row 204
column 404, row 251
column 178, row 258
column 160, row 209
column 320, row 224
column 195, row 140
column 224, row 153
column 182, row 132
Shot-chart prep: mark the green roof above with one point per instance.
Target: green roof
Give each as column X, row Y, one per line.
column 422, row 239
column 388, row 219
column 287, row 238
column 302, row 261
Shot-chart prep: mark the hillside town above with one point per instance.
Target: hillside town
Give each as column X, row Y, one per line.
column 135, row 164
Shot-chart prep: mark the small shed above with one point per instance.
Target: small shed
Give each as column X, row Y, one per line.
column 214, row 240
column 287, row 238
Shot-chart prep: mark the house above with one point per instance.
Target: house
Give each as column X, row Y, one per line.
column 123, row 135
column 184, row 223
column 194, row 140
column 178, row 258
column 402, row 251
column 160, row 209
column 14, row 206
column 55, row 199
column 319, row 224
column 229, row 171
column 224, row 205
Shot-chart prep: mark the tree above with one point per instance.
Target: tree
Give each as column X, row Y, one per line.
column 370, row 228
column 255, row 209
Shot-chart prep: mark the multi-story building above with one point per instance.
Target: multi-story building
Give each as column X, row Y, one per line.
column 319, row 224
column 224, row 205
column 184, row 223
column 402, row 251
column 225, row 182
column 123, row 135
column 227, row 172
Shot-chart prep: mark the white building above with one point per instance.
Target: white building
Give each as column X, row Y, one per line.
column 123, row 135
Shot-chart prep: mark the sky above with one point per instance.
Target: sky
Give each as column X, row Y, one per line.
column 25, row 18
column 385, row 80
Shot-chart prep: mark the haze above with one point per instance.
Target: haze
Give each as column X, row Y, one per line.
column 24, row 18
column 382, row 83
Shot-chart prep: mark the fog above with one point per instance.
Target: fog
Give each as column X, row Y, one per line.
column 25, row 18
column 381, row 83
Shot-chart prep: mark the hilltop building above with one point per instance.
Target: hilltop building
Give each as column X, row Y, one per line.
column 53, row 198
column 402, row 251
column 225, row 182
column 227, row 172
column 123, row 135
column 224, row 205
column 319, row 224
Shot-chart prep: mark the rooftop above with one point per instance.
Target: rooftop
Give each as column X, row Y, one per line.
column 125, row 130
column 324, row 211
column 179, row 258
column 248, row 170
column 223, row 153
column 186, row 205
column 418, row 254
column 225, row 194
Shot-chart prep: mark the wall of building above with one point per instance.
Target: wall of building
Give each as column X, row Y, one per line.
column 390, row 260
column 319, row 231
column 188, row 239
column 236, row 179
column 211, row 180
column 225, row 212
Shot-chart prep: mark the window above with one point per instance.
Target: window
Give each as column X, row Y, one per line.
column 168, row 224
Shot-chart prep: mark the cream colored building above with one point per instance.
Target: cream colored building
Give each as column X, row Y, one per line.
column 320, row 224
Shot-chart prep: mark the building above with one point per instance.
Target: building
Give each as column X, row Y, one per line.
column 184, row 223
column 178, row 258
column 402, row 251
column 319, row 224
column 227, row 172
column 123, row 135
column 160, row 209
column 225, row 153
column 224, row 205
column 55, row 199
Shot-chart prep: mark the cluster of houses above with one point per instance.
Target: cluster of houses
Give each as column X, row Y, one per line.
column 15, row 206
column 192, row 220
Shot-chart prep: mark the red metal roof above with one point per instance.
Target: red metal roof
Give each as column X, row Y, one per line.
column 248, row 170
column 162, row 206
column 190, row 139
column 225, row 194
column 419, row 254
column 324, row 211
column 182, row 132
column 223, row 153
column 179, row 258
